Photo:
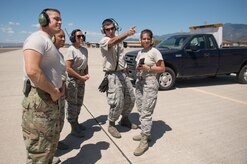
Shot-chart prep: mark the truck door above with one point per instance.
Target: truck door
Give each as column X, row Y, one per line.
column 199, row 59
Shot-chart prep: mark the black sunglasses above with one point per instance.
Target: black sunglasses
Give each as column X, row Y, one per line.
column 79, row 36
column 108, row 29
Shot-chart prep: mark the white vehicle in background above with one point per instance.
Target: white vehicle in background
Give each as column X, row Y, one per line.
column 215, row 29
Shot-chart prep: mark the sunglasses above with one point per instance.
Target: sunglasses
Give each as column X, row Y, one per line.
column 108, row 29
column 79, row 36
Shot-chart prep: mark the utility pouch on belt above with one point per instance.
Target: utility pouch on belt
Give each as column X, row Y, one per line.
column 103, row 85
column 26, row 87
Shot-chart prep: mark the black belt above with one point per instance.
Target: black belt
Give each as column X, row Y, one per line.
column 110, row 72
column 145, row 77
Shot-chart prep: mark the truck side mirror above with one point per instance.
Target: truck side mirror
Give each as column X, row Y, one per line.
column 193, row 47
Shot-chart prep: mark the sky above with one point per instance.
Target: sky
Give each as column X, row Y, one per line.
column 19, row 18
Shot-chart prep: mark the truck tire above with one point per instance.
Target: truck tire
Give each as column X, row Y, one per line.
column 242, row 75
column 166, row 79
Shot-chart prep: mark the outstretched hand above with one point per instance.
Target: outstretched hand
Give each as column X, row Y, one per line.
column 131, row 31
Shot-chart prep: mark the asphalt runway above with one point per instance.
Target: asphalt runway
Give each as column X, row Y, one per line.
column 2, row 50
column 201, row 121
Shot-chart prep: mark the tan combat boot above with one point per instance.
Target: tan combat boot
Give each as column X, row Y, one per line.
column 126, row 122
column 143, row 146
column 138, row 138
column 113, row 130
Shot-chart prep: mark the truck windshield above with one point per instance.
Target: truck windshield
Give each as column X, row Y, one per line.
column 174, row 42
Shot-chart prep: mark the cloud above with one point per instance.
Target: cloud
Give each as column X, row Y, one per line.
column 35, row 25
column 7, row 30
column 14, row 23
column 71, row 24
column 25, row 32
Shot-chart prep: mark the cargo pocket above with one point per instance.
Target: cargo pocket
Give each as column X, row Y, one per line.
column 32, row 141
column 151, row 93
column 111, row 93
column 111, row 97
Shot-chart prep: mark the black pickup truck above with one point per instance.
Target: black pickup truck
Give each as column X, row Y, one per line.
column 193, row 55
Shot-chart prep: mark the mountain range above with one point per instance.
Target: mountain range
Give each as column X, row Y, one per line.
column 235, row 32
column 231, row 32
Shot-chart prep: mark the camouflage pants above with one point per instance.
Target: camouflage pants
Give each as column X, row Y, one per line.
column 120, row 96
column 61, row 104
column 40, row 126
column 75, row 96
column 146, row 98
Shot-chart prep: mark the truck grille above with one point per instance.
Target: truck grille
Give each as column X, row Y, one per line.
column 130, row 60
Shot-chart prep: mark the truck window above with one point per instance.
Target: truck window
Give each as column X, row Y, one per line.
column 179, row 42
column 175, row 42
column 198, row 42
column 211, row 43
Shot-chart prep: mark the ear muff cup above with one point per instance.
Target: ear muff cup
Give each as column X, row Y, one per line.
column 72, row 38
column 44, row 19
column 102, row 30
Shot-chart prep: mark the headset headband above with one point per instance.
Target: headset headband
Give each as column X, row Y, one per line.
column 110, row 21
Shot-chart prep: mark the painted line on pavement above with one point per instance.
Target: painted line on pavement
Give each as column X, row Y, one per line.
column 120, row 150
column 223, row 97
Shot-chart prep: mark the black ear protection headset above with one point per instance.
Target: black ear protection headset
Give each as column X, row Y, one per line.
column 44, row 19
column 109, row 21
column 72, row 37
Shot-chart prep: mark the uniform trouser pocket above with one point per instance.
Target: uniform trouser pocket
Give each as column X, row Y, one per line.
column 112, row 91
column 147, row 91
column 40, row 126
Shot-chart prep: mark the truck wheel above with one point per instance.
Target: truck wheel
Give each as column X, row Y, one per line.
column 242, row 75
column 166, row 79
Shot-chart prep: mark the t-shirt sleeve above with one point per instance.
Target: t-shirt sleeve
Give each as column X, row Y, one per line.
column 157, row 55
column 104, row 43
column 69, row 54
column 86, row 52
column 35, row 43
